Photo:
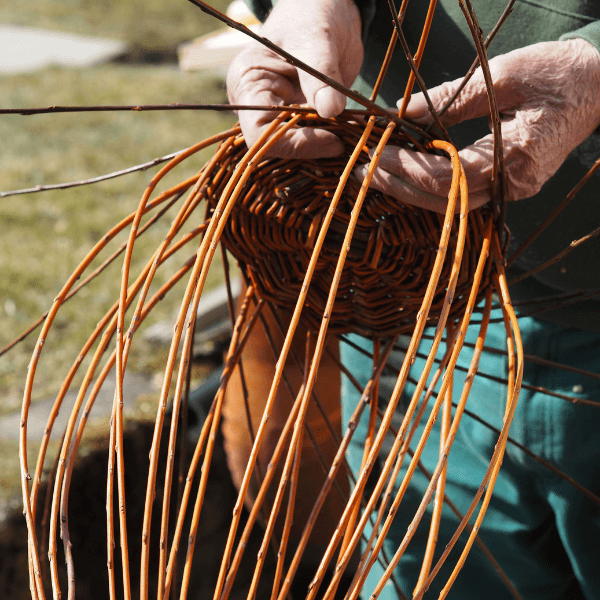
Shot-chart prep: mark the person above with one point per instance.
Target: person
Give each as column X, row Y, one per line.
column 545, row 64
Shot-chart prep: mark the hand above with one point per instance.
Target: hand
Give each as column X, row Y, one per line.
column 325, row 34
column 548, row 96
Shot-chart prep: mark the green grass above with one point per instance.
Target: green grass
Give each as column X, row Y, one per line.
column 45, row 235
column 150, row 23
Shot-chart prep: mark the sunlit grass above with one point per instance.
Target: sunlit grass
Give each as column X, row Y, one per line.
column 150, row 23
column 45, row 236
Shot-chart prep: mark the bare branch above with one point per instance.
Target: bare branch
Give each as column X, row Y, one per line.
column 374, row 108
column 155, row 107
column 71, row 184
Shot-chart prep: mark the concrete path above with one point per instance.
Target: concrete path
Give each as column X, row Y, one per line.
column 135, row 386
column 25, row 49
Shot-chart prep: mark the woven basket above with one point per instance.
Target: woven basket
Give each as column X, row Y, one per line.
column 274, row 225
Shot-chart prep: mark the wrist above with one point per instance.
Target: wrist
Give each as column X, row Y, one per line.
column 590, row 33
column 590, row 60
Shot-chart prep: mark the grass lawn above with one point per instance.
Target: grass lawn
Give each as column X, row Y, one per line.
column 149, row 23
column 45, row 235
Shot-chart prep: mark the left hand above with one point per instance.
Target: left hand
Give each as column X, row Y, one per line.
column 548, row 95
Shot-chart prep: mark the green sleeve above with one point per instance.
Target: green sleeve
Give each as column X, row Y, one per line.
column 261, row 9
column 590, row 32
column 367, row 12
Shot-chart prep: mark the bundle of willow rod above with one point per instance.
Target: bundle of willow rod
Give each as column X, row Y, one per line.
column 332, row 263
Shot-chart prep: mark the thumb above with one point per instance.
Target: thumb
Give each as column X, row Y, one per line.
column 471, row 102
column 324, row 58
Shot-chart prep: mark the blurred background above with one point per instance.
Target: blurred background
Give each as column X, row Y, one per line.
column 88, row 52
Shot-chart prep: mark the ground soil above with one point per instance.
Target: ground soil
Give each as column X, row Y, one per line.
column 87, row 517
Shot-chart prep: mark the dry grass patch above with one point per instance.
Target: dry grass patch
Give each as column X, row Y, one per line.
column 46, row 235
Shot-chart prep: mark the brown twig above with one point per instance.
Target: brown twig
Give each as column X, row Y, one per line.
column 570, row 196
column 417, row 58
column 99, row 269
column 498, row 171
column 371, row 106
column 574, row 244
column 415, row 71
column 488, row 40
column 91, row 180
column 156, row 107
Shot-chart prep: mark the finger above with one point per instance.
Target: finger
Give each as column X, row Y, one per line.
column 433, row 174
column 300, row 143
column 268, row 87
column 323, row 98
column 522, row 173
column 334, row 49
column 472, row 101
column 408, row 193
column 324, row 57
column 394, row 186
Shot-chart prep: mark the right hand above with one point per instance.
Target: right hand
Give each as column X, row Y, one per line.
column 548, row 95
column 326, row 35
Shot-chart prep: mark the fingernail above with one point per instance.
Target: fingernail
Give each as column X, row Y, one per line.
column 360, row 172
column 329, row 102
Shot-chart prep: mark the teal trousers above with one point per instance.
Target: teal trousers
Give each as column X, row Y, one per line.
column 544, row 533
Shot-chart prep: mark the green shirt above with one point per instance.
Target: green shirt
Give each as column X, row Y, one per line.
column 448, row 55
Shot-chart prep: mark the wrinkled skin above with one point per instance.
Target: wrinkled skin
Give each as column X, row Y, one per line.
column 548, row 96
column 324, row 34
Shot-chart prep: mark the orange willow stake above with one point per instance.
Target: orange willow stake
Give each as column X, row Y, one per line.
column 192, row 201
column 388, row 55
column 438, row 502
column 451, row 436
column 191, row 297
column 417, row 58
column 458, row 183
column 515, row 378
column 416, row 337
column 64, row 388
column 37, row 585
column 123, row 347
column 298, row 429
column 138, row 316
column 279, row 368
column 105, row 339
